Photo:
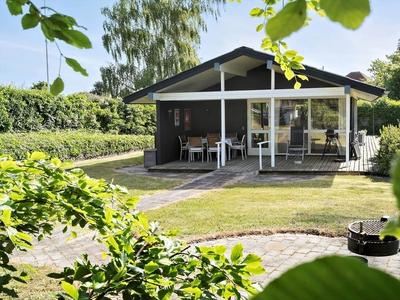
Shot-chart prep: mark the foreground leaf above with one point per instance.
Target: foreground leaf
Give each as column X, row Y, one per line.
column 393, row 227
column 29, row 21
column 290, row 19
column 70, row 290
column 332, row 277
column 349, row 13
column 75, row 66
column 57, row 87
column 237, row 253
column 14, row 7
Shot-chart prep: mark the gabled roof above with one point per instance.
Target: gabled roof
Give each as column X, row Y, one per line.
column 358, row 76
column 243, row 59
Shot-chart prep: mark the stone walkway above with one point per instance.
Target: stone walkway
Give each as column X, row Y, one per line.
column 279, row 252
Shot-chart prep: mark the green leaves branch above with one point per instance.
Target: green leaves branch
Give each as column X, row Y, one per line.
column 54, row 27
column 37, row 194
column 292, row 17
column 393, row 227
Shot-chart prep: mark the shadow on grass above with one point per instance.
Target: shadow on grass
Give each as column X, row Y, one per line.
column 137, row 184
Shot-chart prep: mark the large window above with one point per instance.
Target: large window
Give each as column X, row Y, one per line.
column 328, row 114
column 291, row 113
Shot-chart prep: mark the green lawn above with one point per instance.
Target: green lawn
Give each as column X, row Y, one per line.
column 38, row 286
column 137, row 185
column 325, row 205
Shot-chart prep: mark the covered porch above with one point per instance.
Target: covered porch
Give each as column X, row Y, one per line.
column 311, row 164
column 246, row 92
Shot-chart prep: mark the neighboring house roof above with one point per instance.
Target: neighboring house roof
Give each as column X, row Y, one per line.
column 242, row 59
column 358, row 76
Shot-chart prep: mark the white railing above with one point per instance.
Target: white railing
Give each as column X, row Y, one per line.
column 260, row 153
column 218, row 153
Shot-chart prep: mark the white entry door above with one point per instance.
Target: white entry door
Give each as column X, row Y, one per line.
column 259, row 121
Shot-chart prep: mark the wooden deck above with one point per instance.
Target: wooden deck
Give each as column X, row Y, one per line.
column 311, row 163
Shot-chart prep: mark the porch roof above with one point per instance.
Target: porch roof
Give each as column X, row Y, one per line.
column 239, row 62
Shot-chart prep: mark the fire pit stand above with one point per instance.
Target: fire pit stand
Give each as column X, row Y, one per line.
column 363, row 238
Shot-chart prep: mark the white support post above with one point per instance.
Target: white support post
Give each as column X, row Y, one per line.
column 223, row 149
column 272, row 114
column 347, row 92
column 309, row 126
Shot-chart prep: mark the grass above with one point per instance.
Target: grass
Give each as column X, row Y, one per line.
column 106, row 168
column 324, row 206
column 38, row 287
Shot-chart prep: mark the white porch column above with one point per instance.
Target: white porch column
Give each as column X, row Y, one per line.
column 347, row 92
column 272, row 114
column 223, row 150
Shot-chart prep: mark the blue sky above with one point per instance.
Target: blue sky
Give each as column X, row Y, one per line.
column 323, row 44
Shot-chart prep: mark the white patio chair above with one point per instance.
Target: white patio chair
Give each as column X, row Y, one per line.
column 212, row 147
column 195, row 146
column 184, row 145
column 240, row 146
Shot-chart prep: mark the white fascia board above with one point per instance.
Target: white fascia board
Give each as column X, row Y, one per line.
column 252, row 94
column 363, row 96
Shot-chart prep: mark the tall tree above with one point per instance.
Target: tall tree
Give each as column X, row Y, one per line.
column 97, row 88
column 150, row 40
column 386, row 73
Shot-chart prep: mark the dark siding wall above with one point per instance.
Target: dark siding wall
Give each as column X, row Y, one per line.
column 202, row 122
column 260, row 79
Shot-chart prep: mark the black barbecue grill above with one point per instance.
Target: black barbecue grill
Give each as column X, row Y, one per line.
column 363, row 238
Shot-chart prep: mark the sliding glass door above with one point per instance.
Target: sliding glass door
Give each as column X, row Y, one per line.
column 259, row 125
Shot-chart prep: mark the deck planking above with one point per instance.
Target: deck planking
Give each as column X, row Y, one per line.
column 311, row 164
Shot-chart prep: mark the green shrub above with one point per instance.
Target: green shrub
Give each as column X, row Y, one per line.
column 389, row 148
column 74, row 145
column 37, row 110
column 372, row 116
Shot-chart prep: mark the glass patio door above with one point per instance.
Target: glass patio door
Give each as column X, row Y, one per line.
column 258, row 116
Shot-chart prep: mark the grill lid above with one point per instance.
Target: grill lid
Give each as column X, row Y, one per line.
column 363, row 238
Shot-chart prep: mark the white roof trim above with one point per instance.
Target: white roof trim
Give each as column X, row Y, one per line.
column 252, row 94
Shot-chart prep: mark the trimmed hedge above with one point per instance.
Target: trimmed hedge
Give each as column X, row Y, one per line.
column 72, row 144
column 373, row 116
column 389, row 148
column 34, row 110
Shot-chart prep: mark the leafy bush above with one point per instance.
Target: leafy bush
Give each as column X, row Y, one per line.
column 36, row 194
column 74, row 145
column 37, row 110
column 373, row 115
column 389, row 148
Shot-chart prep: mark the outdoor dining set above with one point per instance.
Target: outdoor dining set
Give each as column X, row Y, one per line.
column 210, row 144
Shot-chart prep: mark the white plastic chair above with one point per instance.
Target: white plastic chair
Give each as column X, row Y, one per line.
column 184, row 145
column 195, row 146
column 240, row 146
column 212, row 147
